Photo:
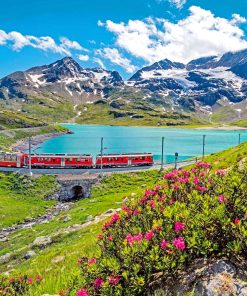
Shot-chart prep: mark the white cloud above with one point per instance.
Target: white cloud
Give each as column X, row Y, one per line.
column 178, row 3
column 116, row 58
column 17, row 41
column 83, row 57
column 100, row 23
column 99, row 61
column 199, row 34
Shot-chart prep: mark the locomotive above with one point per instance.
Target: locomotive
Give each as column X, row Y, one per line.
column 84, row 161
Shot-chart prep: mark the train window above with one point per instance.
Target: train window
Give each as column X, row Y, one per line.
column 48, row 159
column 54, row 159
column 70, row 159
column 143, row 157
column 116, row 158
column 1, row 157
column 78, row 159
column 110, row 159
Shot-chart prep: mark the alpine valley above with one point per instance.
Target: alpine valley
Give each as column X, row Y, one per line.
column 209, row 90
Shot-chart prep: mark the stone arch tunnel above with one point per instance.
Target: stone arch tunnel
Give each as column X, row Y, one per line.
column 74, row 188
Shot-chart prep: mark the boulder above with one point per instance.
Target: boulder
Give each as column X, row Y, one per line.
column 208, row 278
column 42, row 242
column 5, row 258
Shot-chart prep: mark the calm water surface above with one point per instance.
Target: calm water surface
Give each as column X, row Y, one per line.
column 187, row 142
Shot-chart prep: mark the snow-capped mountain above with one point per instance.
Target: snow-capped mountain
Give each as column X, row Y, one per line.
column 64, row 78
column 206, row 80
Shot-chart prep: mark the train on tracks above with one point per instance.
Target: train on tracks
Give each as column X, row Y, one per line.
column 82, row 161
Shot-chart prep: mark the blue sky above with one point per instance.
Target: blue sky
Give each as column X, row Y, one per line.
column 116, row 34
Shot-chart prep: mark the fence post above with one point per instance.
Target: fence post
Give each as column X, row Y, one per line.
column 239, row 139
column 30, row 153
column 101, row 154
column 162, row 155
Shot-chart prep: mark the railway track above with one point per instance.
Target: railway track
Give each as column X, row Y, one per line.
column 71, row 171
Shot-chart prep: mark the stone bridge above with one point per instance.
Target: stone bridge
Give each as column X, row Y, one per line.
column 74, row 187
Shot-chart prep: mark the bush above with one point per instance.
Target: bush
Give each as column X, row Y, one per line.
column 191, row 214
column 17, row 286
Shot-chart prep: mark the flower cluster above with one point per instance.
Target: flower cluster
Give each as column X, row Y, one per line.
column 190, row 213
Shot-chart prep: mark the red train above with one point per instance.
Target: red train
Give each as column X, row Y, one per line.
column 85, row 161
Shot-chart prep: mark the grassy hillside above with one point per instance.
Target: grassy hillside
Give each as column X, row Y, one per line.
column 57, row 262
column 137, row 113
column 9, row 137
column 66, row 246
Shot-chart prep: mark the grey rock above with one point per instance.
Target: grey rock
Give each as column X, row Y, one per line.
column 204, row 278
column 5, row 258
column 89, row 218
column 42, row 242
column 29, row 254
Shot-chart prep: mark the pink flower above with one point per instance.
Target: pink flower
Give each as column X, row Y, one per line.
column 176, row 187
column 79, row 261
column 38, row 278
column 98, row 282
column 149, row 235
column 221, row 198
column 82, row 293
column 179, row 243
column 150, row 192
column 136, row 212
column 91, row 261
column 100, row 236
column 114, row 280
column 164, row 244
column 179, row 226
column 29, row 281
column 196, row 180
column 152, row 203
column 109, row 237
column 133, row 238
column 11, row 280
column 236, row 221
column 220, row 173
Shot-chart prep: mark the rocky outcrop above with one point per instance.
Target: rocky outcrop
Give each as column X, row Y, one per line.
column 42, row 242
column 205, row 278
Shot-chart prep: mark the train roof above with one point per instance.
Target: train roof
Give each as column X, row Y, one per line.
column 126, row 154
column 64, row 155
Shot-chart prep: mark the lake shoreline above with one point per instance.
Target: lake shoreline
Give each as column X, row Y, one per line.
column 220, row 128
column 23, row 144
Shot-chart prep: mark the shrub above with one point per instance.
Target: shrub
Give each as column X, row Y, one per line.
column 190, row 214
column 17, row 286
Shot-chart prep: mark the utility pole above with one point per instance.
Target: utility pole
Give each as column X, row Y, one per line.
column 101, row 153
column 30, row 153
column 203, row 146
column 239, row 139
column 176, row 160
column 162, row 155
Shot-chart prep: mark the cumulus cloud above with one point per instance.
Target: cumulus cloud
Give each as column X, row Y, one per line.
column 17, row 41
column 83, row 57
column 200, row 34
column 116, row 58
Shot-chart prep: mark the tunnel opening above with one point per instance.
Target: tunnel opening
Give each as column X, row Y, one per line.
column 77, row 192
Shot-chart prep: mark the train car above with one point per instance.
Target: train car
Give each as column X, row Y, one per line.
column 60, row 160
column 124, row 160
column 11, row 160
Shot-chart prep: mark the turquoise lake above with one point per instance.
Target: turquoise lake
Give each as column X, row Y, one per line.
column 187, row 142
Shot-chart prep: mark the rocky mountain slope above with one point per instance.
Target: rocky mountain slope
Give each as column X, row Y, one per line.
column 64, row 78
column 212, row 89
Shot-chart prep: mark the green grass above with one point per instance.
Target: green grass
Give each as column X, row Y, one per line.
column 134, row 114
column 9, row 137
column 241, row 123
column 108, row 194
column 70, row 246
column 21, row 197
